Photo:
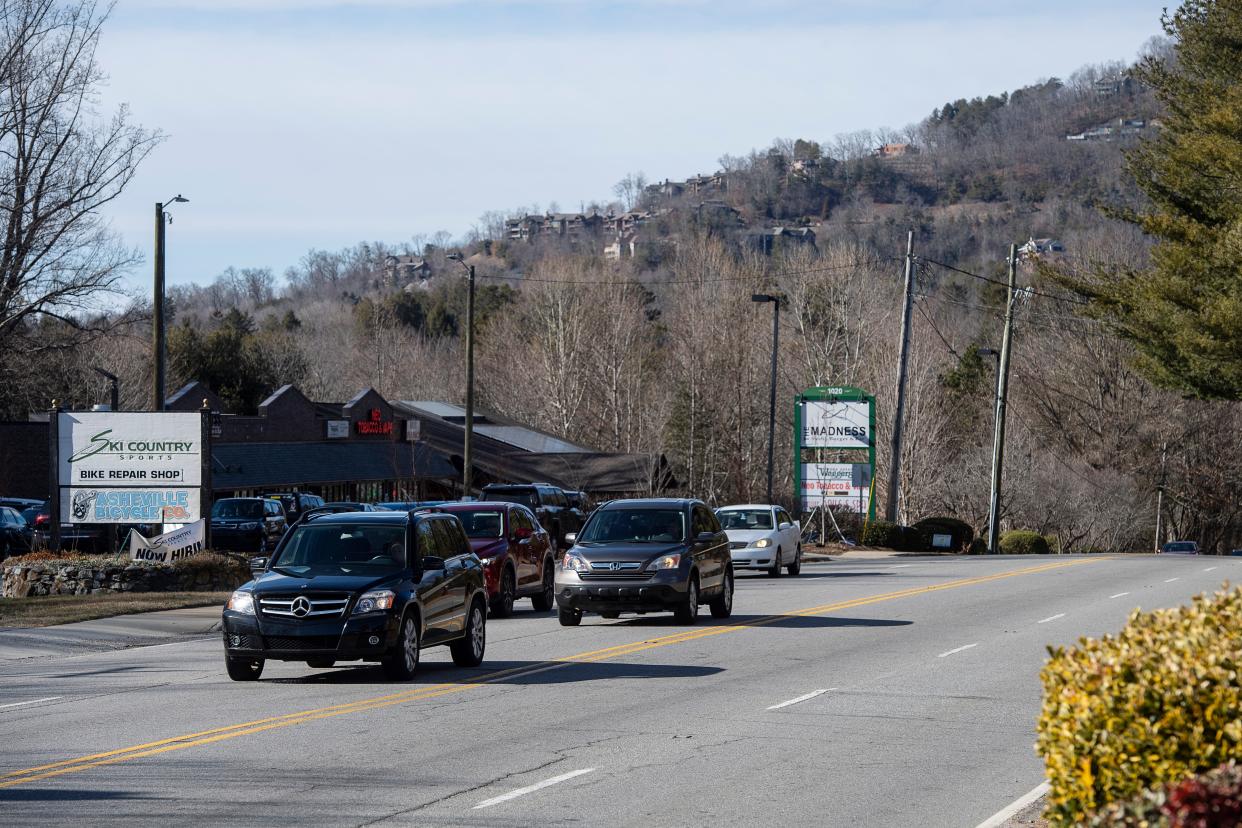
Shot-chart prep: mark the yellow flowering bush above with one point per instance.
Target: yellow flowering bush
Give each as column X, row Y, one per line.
column 1158, row 702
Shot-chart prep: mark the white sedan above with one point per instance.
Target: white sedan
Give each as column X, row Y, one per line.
column 762, row 537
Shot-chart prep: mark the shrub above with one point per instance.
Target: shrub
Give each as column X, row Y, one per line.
column 892, row 536
column 1210, row 800
column 1022, row 542
column 960, row 531
column 1148, row 707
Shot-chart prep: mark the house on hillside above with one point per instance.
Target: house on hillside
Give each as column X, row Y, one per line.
column 896, row 150
column 404, row 270
column 1040, row 247
column 771, row 238
column 571, row 226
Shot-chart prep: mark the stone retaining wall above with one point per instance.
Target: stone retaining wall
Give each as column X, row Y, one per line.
column 203, row 573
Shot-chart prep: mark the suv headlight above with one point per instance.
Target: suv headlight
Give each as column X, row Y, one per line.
column 242, row 601
column 665, row 562
column 375, row 601
column 763, row 543
column 575, row 563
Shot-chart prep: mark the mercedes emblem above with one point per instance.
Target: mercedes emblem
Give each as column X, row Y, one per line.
column 301, row 606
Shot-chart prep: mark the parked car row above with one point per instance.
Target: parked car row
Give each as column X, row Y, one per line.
column 348, row 583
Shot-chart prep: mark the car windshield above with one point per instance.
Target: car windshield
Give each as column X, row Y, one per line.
column 635, row 526
column 519, row 497
column 745, row 518
column 233, row 508
column 343, row 548
column 481, row 524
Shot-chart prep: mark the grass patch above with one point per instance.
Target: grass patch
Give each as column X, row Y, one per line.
column 44, row 611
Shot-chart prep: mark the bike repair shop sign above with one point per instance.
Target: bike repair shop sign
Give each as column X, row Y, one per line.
column 129, row 467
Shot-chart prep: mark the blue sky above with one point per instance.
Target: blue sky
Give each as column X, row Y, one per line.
column 295, row 124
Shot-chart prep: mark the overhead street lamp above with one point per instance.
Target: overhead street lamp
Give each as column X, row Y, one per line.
column 157, row 322
column 115, row 398
column 466, row 452
column 776, row 330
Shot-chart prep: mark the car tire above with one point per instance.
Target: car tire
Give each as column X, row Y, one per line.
column 795, row 568
column 502, row 602
column 546, row 596
column 569, row 617
column 468, row 650
column 402, row 663
column 320, row 663
column 244, row 669
column 722, row 604
column 687, row 612
column 775, row 570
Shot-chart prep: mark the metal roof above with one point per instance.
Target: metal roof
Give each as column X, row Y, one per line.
column 256, row 465
column 529, row 440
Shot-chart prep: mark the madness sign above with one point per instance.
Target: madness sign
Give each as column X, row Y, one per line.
column 841, row 485
column 845, row 425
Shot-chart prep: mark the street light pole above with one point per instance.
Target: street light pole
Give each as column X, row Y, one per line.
column 467, row 472
column 776, row 332
column 157, row 319
column 115, row 396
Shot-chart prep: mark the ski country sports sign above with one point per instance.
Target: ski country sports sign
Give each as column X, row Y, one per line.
column 129, row 467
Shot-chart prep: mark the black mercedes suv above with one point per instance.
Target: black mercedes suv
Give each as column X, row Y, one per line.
column 360, row 586
column 646, row 556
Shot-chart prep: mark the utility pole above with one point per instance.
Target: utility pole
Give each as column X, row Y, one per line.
column 157, row 318
column 467, row 454
column 894, row 475
column 1164, row 455
column 1002, row 393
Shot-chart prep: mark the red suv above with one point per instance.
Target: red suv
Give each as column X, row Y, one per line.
column 515, row 550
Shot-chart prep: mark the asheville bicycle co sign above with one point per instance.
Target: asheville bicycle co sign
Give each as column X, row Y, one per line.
column 129, row 467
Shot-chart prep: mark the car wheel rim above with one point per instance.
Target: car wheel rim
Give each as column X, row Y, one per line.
column 506, row 592
column 476, row 632
column 694, row 598
column 410, row 644
column 728, row 596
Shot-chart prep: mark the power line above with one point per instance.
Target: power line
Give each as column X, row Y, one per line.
column 926, row 316
column 990, row 280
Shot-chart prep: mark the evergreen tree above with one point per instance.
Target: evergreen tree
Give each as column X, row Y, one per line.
column 1184, row 312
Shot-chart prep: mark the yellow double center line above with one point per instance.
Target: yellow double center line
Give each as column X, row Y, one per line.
column 219, row 734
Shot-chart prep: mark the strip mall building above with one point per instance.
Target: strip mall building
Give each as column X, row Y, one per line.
column 367, row 449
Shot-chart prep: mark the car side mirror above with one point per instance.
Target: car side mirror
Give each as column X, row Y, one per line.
column 571, row 538
column 431, row 562
column 705, row 537
column 258, row 564
column 523, row 533
column 785, row 525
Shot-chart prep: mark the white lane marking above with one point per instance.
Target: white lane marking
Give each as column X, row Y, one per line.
column 1209, row 569
column 32, row 701
column 900, row 566
column 958, row 650
column 538, row 786
column 1002, row 816
column 1051, row 618
column 1171, row 580
column 807, row 697
column 1119, row 595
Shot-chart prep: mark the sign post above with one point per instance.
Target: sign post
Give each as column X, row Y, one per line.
column 834, row 420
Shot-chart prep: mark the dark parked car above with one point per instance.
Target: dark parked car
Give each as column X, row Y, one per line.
column 21, row 504
column 378, row 586
column 1180, row 548
column 647, row 556
column 296, row 502
column 95, row 538
column 247, row 524
column 515, row 551
column 16, row 535
column 549, row 504
column 580, row 501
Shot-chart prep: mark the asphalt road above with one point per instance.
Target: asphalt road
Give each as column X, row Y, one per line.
column 896, row 692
